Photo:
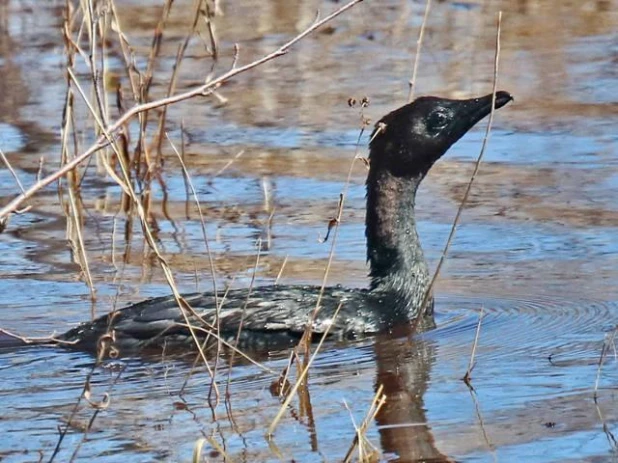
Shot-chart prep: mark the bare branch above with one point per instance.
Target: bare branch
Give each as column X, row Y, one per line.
column 203, row 90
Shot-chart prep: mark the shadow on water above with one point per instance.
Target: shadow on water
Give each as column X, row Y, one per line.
column 536, row 250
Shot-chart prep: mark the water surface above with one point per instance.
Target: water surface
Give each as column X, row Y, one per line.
column 535, row 253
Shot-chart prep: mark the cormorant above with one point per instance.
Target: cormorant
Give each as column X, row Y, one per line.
column 403, row 147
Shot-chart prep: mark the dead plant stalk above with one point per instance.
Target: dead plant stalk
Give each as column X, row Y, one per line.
column 11, row 170
column 477, row 166
column 203, row 90
column 305, row 340
column 174, row 78
column 609, row 339
column 187, row 178
column 107, row 138
column 242, row 317
column 467, row 377
column 360, row 439
column 300, row 379
column 417, row 57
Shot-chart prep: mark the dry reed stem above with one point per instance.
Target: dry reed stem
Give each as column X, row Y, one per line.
column 220, row 342
column 213, row 274
column 104, row 25
column 276, row 451
column 300, row 379
column 228, row 164
column 85, row 392
column 417, row 57
column 467, row 377
column 37, row 340
column 281, row 386
column 182, row 48
column 10, row 168
column 306, row 338
column 92, row 60
column 74, row 222
column 229, row 413
column 187, row 178
column 360, row 438
column 218, row 304
column 606, row 343
column 155, row 47
column 229, row 346
column 210, row 26
column 218, row 448
column 218, row 307
column 242, row 318
column 203, row 90
column 148, row 232
column 127, row 53
column 97, row 409
column 280, row 274
column 79, row 246
column 197, row 450
column 63, row 432
column 477, row 166
column 95, row 25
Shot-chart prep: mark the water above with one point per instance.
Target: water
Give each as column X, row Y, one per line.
column 535, row 253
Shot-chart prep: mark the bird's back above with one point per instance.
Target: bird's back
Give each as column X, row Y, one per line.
column 270, row 316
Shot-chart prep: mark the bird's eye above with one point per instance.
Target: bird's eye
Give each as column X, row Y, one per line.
column 437, row 121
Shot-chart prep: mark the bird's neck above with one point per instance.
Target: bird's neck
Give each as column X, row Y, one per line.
column 398, row 266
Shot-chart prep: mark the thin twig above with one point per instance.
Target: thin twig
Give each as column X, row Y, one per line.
column 417, row 58
column 182, row 48
column 477, row 166
column 13, row 173
column 606, row 343
column 360, row 439
column 187, row 177
column 305, row 340
column 213, row 274
column 301, row 378
column 228, row 163
column 242, row 316
column 467, row 377
column 208, row 19
column 230, row 346
column 611, row 439
column 280, row 274
column 203, row 90
column 97, row 407
column 84, row 395
column 74, row 223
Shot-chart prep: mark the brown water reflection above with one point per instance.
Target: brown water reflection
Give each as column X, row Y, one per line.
column 404, row 371
column 536, row 248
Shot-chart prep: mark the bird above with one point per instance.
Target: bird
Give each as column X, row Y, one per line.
column 403, row 147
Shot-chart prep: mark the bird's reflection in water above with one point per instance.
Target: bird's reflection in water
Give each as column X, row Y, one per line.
column 404, row 369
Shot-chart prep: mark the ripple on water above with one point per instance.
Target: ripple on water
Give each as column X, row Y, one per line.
column 517, row 335
column 538, row 325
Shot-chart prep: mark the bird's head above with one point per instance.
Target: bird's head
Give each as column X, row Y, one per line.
column 409, row 140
